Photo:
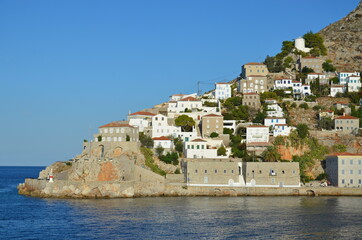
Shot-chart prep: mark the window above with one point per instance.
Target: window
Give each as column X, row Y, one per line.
column 342, row 162
column 351, row 162
column 350, row 171
column 224, row 171
column 232, row 171
column 215, row 171
column 195, row 170
column 359, row 181
column 260, row 172
column 205, row 171
column 283, row 172
column 342, row 171
column 342, row 181
column 351, row 181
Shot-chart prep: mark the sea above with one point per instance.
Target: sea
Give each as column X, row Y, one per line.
column 24, row 217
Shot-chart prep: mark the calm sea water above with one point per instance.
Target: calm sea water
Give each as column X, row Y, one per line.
column 174, row 218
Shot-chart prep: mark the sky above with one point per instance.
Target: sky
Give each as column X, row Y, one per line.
column 68, row 67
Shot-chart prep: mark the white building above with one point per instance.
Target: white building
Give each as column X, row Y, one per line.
column 301, row 90
column 272, row 121
column 337, row 89
column 299, row 43
column 202, row 148
column 257, row 133
column 222, row 90
column 281, row 130
column 188, row 103
column 274, row 110
column 162, row 127
column 283, row 83
column 164, row 142
column 342, row 76
column 311, row 77
column 354, row 83
column 177, row 97
column 141, row 120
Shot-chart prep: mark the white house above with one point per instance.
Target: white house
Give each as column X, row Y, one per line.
column 202, row 148
column 141, row 120
column 272, row 121
column 177, row 97
column 163, row 141
column 270, row 101
column 189, row 103
column 222, row 90
column 354, row 83
column 274, row 110
column 257, row 133
column 313, row 76
column 300, row 89
column 161, row 127
column 343, row 76
column 337, row 89
column 281, row 130
column 282, row 83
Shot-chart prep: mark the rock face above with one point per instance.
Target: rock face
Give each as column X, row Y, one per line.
column 94, row 178
column 343, row 40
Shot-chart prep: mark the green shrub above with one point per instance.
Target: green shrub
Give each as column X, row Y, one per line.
column 304, row 105
column 148, row 154
column 294, row 105
column 214, row 135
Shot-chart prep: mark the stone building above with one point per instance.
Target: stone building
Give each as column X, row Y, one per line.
column 117, row 132
column 253, row 83
column 271, row 174
column 219, row 172
column 344, row 169
column 251, row 100
column 212, row 123
column 314, row 63
column 254, row 68
column 346, row 124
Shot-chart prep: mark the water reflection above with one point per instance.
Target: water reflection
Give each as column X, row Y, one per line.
column 215, row 218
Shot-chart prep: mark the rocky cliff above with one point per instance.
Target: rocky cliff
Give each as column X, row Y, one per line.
column 343, row 40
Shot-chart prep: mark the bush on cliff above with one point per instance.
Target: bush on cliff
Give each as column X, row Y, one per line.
column 150, row 162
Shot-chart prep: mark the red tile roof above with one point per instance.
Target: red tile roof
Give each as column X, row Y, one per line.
column 354, row 76
column 143, row 113
column 281, row 124
column 116, row 125
column 198, row 140
column 346, row 117
column 344, row 154
column 338, row 86
column 274, row 118
column 178, row 95
column 189, row 99
column 223, row 83
column 161, row 138
column 212, row 115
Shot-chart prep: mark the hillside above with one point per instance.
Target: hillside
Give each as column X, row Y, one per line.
column 343, row 40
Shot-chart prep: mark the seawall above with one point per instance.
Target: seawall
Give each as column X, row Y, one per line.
column 124, row 189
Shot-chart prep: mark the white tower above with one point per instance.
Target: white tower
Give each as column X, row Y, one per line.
column 299, row 44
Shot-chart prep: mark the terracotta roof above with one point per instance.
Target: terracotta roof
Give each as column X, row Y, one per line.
column 212, row 115
column 354, row 76
column 305, row 85
column 189, row 99
column 198, row 140
column 282, row 78
column 346, row 72
column 254, row 63
column 222, row 83
column 251, row 93
column 161, row 138
column 315, row 74
column 337, row 86
column 259, row 144
column 256, row 126
column 116, row 125
column 172, row 101
column 346, row 117
column 281, row 124
column 178, row 95
column 142, row 113
column 344, row 154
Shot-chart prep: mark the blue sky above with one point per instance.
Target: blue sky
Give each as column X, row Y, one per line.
column 67, row 67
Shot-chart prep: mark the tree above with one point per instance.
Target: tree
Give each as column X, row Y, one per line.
column 334, row 80
column 178, row 145
column 185, row 122
column 146, row 141
column 326, row 123
column 271, row 155
column 302, row 130
column 315, row 41
column 170, row 158
column 228, row 131
column 328, row 67
column 259, row 118
column 221, row 151
column 159, row 150
column 128, row 138
column 214, row 135
column 340, row 148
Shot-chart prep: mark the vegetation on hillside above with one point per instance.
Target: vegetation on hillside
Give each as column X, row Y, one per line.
column 148, row 154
